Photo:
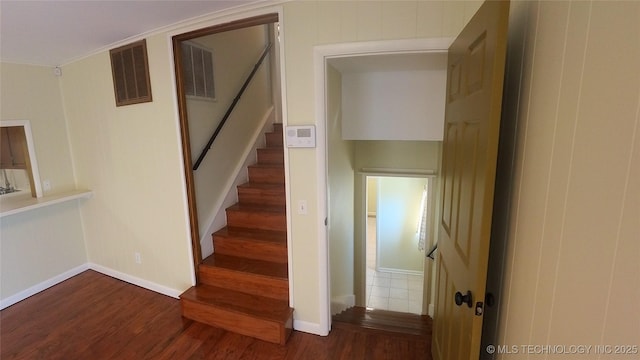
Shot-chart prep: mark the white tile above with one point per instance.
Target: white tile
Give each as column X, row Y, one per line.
column 399, row 294
column 381, row 303
column 412, row 277
column 386, row 282
column 399, row 284
column 399, row 305
column 383, row 274
column 399, row 276
column 379, row 291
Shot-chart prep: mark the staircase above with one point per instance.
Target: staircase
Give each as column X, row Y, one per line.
column 243, row 286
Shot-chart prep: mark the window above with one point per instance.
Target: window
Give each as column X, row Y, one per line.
column 197, row 67
column 130, row 69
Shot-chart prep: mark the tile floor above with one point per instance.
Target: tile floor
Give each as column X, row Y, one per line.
column 386, row 290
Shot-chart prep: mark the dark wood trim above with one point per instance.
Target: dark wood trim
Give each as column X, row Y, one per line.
column 233, row 25
column 184, row 121
column 186, row 156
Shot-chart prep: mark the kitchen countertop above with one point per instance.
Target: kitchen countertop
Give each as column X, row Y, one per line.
column 16, row 203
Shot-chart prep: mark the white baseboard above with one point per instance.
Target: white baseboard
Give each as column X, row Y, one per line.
column 342, row 303
column 309, row 327
column 161, row 289
column 400, row 271
column 4, row 303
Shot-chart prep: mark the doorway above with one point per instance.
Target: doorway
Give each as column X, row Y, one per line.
column 352, row 152
column 397, row 231
column 210, row 71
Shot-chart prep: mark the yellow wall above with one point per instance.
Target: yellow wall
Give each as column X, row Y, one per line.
column 372, row 195
column 39, row 245
column 398, row 218
column 571, row 269
column 310, row 23
column 340, row 196
column 130, row 157
column 33, row 93
column 572, row 273
column 232, row 65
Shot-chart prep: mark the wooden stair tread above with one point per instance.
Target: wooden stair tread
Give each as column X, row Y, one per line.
column 271, row 236
column 257, row 208
column 252, row 305
column 244, row 286
column 240, row 264
column 262, row 186
column 262, row 193
column 267, row 166
column 386, row 321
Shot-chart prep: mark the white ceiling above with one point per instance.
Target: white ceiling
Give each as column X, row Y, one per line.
column 59, row 31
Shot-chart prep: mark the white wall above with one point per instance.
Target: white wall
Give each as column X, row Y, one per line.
column 399, row 104
column 39, row 245
column 572, row 274
column 340, row 198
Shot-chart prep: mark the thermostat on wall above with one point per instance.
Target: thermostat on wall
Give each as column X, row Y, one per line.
column 301, row 136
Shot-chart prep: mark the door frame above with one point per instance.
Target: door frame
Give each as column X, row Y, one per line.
column 321, row 54
column 175, row 38
column 432, row 176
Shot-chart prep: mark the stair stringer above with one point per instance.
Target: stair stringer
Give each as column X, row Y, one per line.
column 239, row 175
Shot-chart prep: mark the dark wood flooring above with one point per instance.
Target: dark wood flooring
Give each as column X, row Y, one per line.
column 93, row 316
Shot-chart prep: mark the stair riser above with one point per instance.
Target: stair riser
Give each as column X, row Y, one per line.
column 270, row 156
column 257, row 220
column 257, row 250
column 245, row 282
column 261, row 197
column 266, row 175
column 274, row 139
column 239, row 323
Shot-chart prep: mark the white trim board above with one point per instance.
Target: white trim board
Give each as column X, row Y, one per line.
column 22, row 295
column 309, row 327
column 149, row 285
column 321, row 54
column 400, row 271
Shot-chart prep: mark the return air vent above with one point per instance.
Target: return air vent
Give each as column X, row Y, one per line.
column 130, row 69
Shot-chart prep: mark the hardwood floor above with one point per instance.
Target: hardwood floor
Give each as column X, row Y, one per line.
column 94, row 316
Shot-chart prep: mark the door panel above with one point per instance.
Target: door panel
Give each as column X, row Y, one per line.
column 472, row 122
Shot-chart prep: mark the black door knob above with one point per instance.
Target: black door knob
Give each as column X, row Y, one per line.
column 464, row 299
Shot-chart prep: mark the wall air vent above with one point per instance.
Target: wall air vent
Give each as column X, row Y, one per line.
column 130, row 69
column 197, row 67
